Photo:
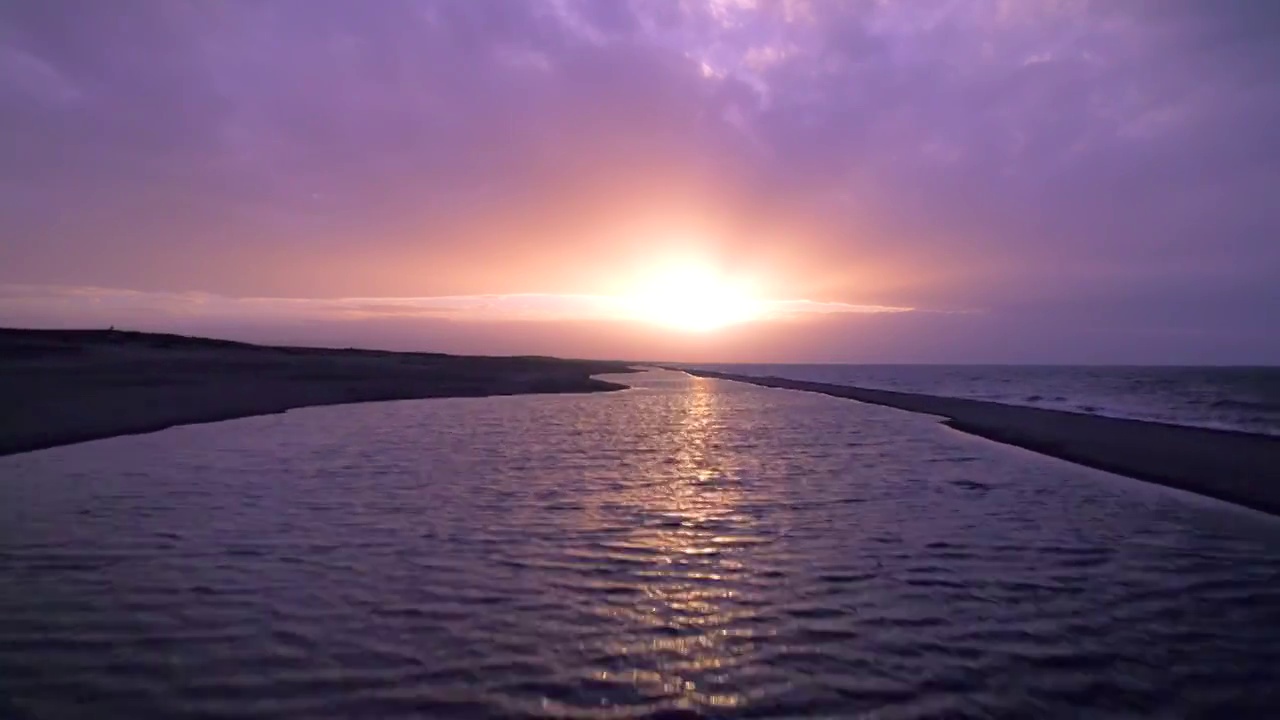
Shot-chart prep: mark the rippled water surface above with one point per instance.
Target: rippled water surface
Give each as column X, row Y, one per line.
column 689, row 548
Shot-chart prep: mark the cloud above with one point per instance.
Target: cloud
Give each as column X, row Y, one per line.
column 910, row 153
column 37, row 304
column 23, row 73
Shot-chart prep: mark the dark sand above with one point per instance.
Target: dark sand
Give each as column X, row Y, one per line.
column 65, row 386
column 1239, row 467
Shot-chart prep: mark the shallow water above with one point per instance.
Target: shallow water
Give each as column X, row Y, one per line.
column 689, row 548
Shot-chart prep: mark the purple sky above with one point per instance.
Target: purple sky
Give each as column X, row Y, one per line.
column 1017, row 181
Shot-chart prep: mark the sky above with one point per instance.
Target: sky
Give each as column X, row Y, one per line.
column 1003, row 181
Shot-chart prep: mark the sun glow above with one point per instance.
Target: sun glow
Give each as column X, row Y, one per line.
column 694, row 299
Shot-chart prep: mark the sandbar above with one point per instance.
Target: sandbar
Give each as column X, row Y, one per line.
column 65, row 386
column 1239, row 467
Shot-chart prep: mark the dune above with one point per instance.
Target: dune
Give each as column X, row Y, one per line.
column 1239, row 467
column 66, row 386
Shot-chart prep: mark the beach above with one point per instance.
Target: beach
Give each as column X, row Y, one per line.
column 1239, row 467
column 63, row 387
column 690, row 548
column 67, row 386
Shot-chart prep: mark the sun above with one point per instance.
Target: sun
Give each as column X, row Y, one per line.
column 693, row 298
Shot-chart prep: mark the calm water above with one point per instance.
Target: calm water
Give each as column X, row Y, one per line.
column 690, row 548
column 1232, row 398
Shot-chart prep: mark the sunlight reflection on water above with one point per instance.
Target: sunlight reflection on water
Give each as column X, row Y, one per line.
column 691, row 546
column 685, row 519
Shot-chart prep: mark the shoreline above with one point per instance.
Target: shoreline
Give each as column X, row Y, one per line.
column 1231, row 465
column 69, row 386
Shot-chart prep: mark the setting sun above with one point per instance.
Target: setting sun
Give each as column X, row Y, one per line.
column 693, row 299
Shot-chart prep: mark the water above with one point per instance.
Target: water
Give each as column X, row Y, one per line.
column 689, row 548
column 1230, row 398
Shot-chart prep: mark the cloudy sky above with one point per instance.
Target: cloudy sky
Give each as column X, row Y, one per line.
column 896, row 180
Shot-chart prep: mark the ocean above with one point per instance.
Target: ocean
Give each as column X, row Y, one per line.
column 689, row 548
column 1246, row 399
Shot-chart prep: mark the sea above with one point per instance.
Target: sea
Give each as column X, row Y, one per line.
column 1245, row 399
column 688, row 548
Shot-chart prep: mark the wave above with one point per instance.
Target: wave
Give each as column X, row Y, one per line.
column 1234, row 404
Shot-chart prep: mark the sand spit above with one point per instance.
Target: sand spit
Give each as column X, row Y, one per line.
column 66, row 386
column 1239, row 467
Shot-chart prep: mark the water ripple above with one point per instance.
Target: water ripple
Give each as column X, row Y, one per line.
column 688, row 549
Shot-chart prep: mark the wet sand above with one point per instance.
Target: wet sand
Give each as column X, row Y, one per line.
column 1239, row 467
column 66, row 386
